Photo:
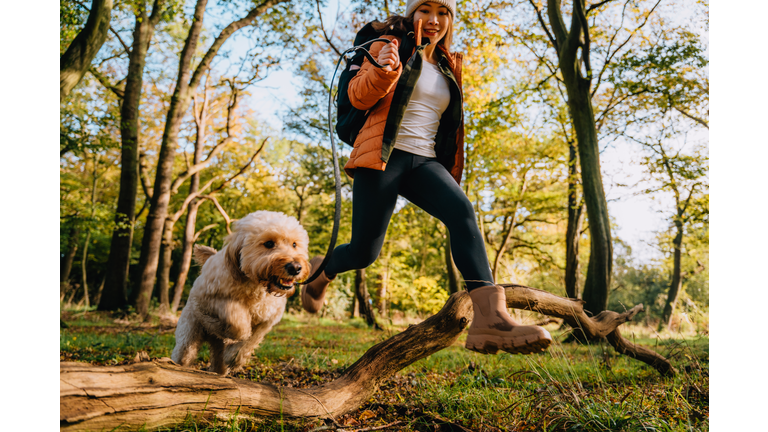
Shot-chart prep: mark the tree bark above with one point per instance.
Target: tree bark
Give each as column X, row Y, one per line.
column 160, row 393
column 164, row 267
column 97, row 296
column 364, row 299
column 677, row 277
column 596, row 286
column 115, row 294
column 450, row 266
column 84, row 261
column 78, row 57
column 567, row 44
column 384, row 285
column 573, row 230
column 158, row 210
column 354, row 311
column 186, row 253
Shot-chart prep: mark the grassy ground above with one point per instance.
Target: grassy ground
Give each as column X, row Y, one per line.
column 568, row 388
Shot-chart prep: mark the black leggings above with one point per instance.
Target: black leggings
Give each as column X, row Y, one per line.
column 426, row 183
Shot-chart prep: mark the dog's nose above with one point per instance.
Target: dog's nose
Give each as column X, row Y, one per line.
column 293, row 268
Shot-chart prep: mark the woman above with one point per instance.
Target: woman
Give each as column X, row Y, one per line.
column 412, row 144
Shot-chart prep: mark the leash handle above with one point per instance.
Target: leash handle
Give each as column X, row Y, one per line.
column 418, row 32
column 367, row 54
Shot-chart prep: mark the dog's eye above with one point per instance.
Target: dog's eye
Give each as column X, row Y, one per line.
column 269, row 244
column 294, row 245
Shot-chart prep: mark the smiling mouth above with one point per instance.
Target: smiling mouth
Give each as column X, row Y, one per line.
column 283, row 283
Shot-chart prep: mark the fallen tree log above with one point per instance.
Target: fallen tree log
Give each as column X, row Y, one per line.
column 603, row 325
column 159, row 393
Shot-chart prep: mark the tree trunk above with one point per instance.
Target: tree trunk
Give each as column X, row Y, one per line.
column 598, row 279
column 354, row 310
column 677, row 277
column 69, row 256
column 160, row 393
column 84, row 261
column 158, row 207
column 115, row 294
column 83, row 264
column 78, row 57
column 450, row 266
column 364, row 299
column 201, row 121
column 508, row 235
column 567, row 44
column 72, row 295
column 158, row 210
column 573, row 231
column 186, row 252
column 97, row 297
column 384, row 285
column 164, row 268
column 191, row 202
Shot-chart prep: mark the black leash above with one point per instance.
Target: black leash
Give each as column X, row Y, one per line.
column 336, row 171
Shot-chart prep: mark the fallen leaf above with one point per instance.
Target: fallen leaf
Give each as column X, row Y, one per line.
column 367, row 414
column 350, row 422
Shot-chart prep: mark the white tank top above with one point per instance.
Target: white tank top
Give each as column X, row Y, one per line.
column 430, row 98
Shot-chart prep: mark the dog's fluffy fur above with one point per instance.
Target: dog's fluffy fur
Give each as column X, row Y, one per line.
column 242, row 290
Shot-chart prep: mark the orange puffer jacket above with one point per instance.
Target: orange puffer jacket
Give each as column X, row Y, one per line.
column 373, row 89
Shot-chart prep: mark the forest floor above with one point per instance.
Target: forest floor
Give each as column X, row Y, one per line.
column 570, row 387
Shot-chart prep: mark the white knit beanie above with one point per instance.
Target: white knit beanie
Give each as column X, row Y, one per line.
column 411, row 5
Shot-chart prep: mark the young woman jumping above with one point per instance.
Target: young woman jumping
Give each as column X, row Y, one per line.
column 412, row 144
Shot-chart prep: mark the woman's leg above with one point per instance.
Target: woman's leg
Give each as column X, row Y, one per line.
column 374, row 199
column 431, row 187
column 374, row 196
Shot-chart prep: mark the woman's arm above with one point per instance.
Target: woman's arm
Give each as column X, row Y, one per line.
column 371, row 83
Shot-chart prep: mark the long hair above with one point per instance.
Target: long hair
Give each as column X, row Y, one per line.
column 405, row 24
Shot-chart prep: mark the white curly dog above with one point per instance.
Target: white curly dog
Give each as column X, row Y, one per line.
column 242, row 290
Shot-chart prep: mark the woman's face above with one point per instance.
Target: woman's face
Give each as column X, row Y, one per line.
column 435, row 19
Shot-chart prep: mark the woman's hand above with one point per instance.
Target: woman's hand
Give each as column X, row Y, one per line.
column 389, row 56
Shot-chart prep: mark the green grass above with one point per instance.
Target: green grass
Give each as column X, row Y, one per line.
column 570, row 387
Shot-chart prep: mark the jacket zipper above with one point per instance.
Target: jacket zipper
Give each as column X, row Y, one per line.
column 418, row 50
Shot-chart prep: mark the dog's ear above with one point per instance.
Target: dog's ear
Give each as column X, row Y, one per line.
column 202, row 253
column 232, row 260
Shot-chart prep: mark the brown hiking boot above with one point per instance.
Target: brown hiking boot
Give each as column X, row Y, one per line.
column 493, row 329
column 313, row 293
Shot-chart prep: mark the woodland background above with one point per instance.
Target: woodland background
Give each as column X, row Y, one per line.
column 32, row 190
column 165, row 112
